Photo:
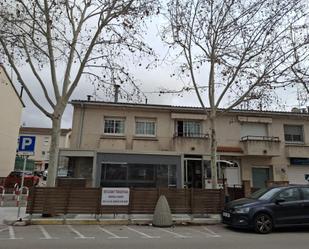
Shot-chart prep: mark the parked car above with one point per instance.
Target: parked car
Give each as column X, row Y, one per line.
column 16, row 176
column 269, row 208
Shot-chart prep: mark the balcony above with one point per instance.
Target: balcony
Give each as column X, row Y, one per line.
column 191, row 143
column 260, row 146
column 297, row 150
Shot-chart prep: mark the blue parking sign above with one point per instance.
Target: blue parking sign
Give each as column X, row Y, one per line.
column 26, row 145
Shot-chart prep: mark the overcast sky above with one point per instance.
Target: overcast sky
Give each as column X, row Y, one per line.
column 149, row 80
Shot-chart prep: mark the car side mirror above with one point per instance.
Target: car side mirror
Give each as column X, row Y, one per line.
column 278, row 201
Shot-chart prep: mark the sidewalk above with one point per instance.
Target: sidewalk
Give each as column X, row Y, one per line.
column 8, row 215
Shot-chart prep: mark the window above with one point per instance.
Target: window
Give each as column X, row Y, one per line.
column 166, row 176
column 138, row 175
column 43, row 153
column 113, row 126
column 256, row 130
column 291, row 194
column 141, row 172
column 189, row 129
column 293, row 133
column 115, row 171
column 46, row 141
column 145, row 127
column 305, row 193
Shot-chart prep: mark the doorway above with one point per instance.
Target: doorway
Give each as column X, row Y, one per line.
column 260, row 176
column 193, row 173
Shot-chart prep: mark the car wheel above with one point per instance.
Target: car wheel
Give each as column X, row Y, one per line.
column 263, row 223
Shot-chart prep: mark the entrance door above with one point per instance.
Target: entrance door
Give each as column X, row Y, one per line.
column 193, row 173
column 232, row 176
column 260, row 176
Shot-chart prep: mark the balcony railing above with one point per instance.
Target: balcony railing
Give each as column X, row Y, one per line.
column 260, row 145
column 191, row 135
column 260, row 138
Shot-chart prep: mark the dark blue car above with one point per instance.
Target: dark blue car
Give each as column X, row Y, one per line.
column 269, row 208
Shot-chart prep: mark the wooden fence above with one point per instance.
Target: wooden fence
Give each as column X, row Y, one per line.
column 62, row 201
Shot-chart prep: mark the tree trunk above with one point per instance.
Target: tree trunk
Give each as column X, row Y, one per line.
column 54, row 151
column 213, row 151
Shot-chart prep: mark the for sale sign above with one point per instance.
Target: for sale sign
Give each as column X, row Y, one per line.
column 115, row 196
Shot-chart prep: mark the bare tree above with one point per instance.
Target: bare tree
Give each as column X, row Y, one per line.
column 69, row 39
column 240, row 46
column 299, row 73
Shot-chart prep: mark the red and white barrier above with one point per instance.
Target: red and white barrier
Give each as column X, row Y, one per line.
column 15, row 191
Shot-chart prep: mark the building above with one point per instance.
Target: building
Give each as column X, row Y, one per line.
column 42, row 143
column 10, row 112
column 121, row 144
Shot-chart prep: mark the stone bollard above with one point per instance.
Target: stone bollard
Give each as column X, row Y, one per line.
column 162, row 216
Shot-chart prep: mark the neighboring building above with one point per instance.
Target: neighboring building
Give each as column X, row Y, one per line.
column 11, row 107
column 42, row 143
column 121, row 144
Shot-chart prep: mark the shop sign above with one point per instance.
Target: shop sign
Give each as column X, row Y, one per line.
column 115, row 196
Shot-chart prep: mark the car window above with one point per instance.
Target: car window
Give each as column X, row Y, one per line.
column 305, row 193
column 291, row 194
column 265, row 193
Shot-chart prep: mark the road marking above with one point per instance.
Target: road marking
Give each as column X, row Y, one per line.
column 212, row 233
column 80, row 236
column 177, row 235
column 12, row 233
column 114, row 236
column 3, row 229
column 143, row 234
column 208, row 235
column 45, row 233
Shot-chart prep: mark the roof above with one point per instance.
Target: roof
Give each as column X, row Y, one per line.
column 41, row 131
column 191, row 109
column 7, row 75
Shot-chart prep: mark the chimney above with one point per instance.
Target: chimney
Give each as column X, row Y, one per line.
column 116, row 88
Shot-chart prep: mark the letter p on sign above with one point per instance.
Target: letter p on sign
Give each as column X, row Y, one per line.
column 26, row 145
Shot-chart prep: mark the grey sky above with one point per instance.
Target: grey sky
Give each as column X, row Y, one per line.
column 150, row 81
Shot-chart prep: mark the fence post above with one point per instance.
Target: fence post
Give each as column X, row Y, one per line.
column 192, row 200
column 2, row 195
column 98, row 205
column 32, row 194
column 247, row 187
column 66, row 207
column 130, row 201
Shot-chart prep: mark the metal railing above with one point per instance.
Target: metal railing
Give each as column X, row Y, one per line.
column 260, row 138
column 191, row 135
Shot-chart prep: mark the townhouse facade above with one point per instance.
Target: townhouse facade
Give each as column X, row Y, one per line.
column 11, row 106
column 144, row 145
column 42, row 144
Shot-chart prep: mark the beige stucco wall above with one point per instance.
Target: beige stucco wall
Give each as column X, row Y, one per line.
column 229, row 126
column 10, row 113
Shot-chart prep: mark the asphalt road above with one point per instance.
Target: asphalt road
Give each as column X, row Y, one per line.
column 141, row 237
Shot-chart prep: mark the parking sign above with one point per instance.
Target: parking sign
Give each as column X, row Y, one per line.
column 26, row 145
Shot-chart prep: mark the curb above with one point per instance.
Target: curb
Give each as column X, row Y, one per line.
column 106, row 222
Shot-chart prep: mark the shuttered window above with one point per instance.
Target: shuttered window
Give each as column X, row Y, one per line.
column 254, row 130
column 293, row 133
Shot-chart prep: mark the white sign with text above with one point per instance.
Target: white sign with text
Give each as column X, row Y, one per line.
column 115, row 196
